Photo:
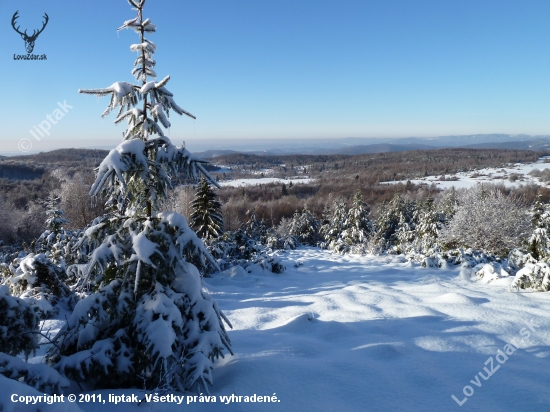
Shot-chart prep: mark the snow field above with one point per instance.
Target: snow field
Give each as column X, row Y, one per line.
column 370, row 333
column 466, row 180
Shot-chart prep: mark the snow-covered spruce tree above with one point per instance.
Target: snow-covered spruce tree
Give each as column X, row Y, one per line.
column 148, row 321
column 18, row 325
column 55, row 218
column 429, row 223
column 206, row 218
column 389, row 217
column 304, row 227
column 19, row 334
column 488, row 220
column 332, row 232
column 254, row 228
column 40, row 282
column 538, row 244
column 56, row 242
column 358, row 225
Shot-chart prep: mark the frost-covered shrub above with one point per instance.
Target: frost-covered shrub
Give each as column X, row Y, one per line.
column 467, row 259
column 40, row 282
column 487, row 219
column 517, row 260
column 534, row 276
column 280, row 238
column 237, row 248
column 18, row 325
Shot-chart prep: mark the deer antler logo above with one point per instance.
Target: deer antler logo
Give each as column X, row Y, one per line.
column 29, row 40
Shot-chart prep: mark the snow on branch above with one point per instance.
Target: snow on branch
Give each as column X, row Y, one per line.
column 122, row 94
column 41, row 377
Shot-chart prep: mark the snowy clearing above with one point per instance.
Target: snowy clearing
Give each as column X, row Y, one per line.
column 519, row 171
column 367, row 333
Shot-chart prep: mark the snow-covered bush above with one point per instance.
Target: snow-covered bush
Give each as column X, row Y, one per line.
column 280, row 238
column 486, row 219
column 41, row 377
column 147, row 320
column 40, row 282
column 534, row 276
column 18, row 325
column 517, row 259
column 237, row 248
column 466, row 258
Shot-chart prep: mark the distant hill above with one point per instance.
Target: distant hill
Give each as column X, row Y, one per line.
column 63, row 155
column 379, row 148
column 209, row 154
column 535, row 145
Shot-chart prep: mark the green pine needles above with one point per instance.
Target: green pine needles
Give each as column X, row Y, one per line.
column 207, row 212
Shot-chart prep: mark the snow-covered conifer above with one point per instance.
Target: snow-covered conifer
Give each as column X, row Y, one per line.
column 148, row 321
column 255, row 228
column 207, row 212
column 19, row 334
column 55, row 217
column 40, row 282
column 18, row 325
column 429, row 224
column 332, row 233
column 538, row 244
column 449, row 204
column 358, row 225
column 389, row 217
column 304, row 227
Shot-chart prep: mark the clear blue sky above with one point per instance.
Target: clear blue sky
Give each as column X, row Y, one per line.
column 300, row 69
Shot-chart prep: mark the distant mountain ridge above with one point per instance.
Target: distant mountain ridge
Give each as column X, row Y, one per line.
column 355, row 146
column 345, row 146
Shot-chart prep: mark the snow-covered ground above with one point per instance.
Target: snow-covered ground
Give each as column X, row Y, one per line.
column 263, row 180
column 369, row 333
column 486, row 175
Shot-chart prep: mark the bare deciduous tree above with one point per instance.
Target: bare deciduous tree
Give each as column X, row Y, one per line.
column 487, row 219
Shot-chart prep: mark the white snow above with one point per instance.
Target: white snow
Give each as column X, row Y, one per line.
column 486, row 175
column 371, row 333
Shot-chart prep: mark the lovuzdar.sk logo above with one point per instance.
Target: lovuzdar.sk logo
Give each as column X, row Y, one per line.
column 29, row 39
